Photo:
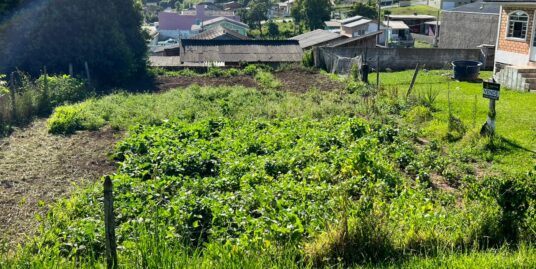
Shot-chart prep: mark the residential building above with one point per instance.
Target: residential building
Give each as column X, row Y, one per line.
column 415, row 22
column 469, row 26
column 219, row 33
column 182, row 25
column 317, row 38
column 398, row 35
column 515, row 55
column 226, row 23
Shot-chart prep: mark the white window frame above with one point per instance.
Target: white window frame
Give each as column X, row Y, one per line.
column 508, row 26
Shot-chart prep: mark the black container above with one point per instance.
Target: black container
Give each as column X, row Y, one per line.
column 466, row 70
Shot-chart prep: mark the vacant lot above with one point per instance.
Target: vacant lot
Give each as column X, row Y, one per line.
column 286, row 178
column 37, row 168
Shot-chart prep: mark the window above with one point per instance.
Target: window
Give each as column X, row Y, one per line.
column 517, row 24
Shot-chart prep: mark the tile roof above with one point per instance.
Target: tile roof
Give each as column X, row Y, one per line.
column 220, row 19
column 219, row 32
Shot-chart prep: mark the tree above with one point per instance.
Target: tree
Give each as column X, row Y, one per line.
column 258, row 10
column 273, row 29
column 7, row 6
column 297, row 14
column 365, row 10
column 316, row 12
column 104, row 33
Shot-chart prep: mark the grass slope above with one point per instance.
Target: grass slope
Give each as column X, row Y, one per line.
column 419, row 9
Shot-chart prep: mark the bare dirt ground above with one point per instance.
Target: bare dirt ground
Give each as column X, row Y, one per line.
column 293, row 80
column 37, row 168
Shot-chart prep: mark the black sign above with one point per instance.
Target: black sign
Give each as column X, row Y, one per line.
column 491, row 90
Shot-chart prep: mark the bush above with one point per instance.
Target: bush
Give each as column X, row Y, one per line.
column 308, row 59
column 68, row 119
column 267, row 80
column 419, row 114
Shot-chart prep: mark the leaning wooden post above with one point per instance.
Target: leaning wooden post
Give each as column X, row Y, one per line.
column 378, row 70
column 71, row 71
column 45, row 103
column 412, row 81
column 111, row 246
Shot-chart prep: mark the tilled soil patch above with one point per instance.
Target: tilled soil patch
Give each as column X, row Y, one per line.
column 166, row 83
column 37, row 168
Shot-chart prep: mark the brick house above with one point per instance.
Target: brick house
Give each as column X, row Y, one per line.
column 515, row 55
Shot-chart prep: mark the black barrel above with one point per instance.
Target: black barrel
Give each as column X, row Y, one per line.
column 466, row 70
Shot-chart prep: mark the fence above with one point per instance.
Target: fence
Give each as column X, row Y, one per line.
column 392, row 58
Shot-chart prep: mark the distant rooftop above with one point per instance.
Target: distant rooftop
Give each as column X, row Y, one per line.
column 220, row 19
column 315, row 37
column 478, row 7
column 396, row 25
column 351, row 19
column 419, row 17
column 357, row 23
column 219, row 32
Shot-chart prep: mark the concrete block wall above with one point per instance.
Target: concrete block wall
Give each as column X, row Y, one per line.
column 401, row 58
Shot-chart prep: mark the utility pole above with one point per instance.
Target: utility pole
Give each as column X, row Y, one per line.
column 379, row 20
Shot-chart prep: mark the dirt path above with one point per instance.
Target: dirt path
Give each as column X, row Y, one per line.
column 37, row 168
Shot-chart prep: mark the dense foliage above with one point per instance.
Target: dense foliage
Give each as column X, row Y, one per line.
column 56, row 33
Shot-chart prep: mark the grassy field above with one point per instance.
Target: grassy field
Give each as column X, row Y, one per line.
column 236, row 177
column 419, row 9
column 515, row 114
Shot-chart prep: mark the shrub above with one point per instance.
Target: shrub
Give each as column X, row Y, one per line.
column 267, row 80
column 68, row 119
column 250, row 69
column 308, row 59
column 419, row 114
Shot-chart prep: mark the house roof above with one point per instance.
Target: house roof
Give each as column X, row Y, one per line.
column 276, row 51
column 221, row 19
column 332, row 23
column 433, row 23
column 315, row 37
column 396, row 25
column 357, row 23
column 351, row 19
column 219, row 32
column 478, row 7
column 409, row 17
column 353, row 39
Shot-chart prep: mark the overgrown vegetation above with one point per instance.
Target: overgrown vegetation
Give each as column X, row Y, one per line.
column 239, row 177
column 27, row 98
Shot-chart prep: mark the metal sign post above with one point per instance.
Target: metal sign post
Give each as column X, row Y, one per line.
column 491, row 91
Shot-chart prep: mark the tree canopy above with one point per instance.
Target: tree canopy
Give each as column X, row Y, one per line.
column 104, row 33
column 365, row 10
column 312, row 12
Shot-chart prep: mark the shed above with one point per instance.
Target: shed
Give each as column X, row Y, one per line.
column 469, row 26
column 363, row 41
column 415, row 22
column 235, row 52
column 316, row 38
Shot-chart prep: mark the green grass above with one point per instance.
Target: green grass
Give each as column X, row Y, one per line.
column 232, row 177
column 419, row 9
column 422, row 44
column 516, row 112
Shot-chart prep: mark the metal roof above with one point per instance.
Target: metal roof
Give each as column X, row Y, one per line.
column 219, row 19
column 396, row 25
column 433, row 23
column 219, row 32
column 275, row 51
column 332, row 23
column 357, row 23
column 478, row 7
column 315, row 37
column 350, row 40
column 351, row 19
column 416, row 17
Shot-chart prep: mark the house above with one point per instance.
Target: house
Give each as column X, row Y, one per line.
column 363, row 41
column 432, row 28
column 231, row 6
column 284, row 8
column 515, row 54
column 415, row 22
column 226, row 23
column 238, row 52
column 219, row 33
column 179, row 25
column 398, row 35
column 333, row 26
column 480, row 21
column 316, row 38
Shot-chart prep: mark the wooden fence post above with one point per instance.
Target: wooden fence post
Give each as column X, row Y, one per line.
column 45, row 102
column 71, row 72
column 111, row 246
column 12, row 90
column 412, row 81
